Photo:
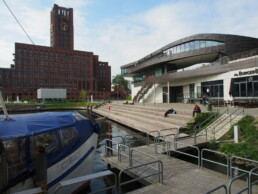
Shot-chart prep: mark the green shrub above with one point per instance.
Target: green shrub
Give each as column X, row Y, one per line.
column 128, row 97
column 248, row 146
column 199, row 119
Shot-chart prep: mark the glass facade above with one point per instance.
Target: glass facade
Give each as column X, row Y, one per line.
column 213, row 88
column 245, row 87
column 193, row 45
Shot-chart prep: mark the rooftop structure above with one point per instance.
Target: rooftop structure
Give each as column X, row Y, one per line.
column 170, row 69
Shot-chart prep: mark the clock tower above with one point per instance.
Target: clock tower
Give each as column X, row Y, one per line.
column 61, row 28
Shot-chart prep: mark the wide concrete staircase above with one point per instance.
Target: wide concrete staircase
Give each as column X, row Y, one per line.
column 144, row 118
column 222, row 125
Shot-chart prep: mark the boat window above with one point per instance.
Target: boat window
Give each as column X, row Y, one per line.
column 48, row 140
column 68, row 135
column 15, row 156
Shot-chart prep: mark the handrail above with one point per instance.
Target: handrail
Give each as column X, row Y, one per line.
column 191, row 155
column 141, row 152
column 217, row 188
column 245, row 159
column 160, row 173
column 157, row 141
column 213, row 130
column 175, row 140
column 148, row 136
column 214, row 162
column 123, row 149
column 250, row 180
column 86, row 178
column 232, row 180
column 215, row 113
column 219, row 111
column 167, row 129
column 118, row 150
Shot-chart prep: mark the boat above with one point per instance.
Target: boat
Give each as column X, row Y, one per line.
column 57, row 145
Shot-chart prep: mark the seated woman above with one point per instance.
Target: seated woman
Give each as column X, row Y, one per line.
column 169, row 111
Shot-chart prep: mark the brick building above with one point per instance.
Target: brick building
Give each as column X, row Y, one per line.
column 58, row 66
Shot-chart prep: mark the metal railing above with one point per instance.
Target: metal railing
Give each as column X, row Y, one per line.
column 158, row 172
column 109, row 148
column 230, row 120
column 181, row 152
column 200, row 127
column 250, row 183
column 214, row 162
column 86, row 178
column 234, row 179
column 169, row 129
column 148, row 136
column 217, row 188
column 132, row 158
column 240, row 169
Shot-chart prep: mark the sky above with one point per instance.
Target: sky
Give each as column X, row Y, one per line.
column 123, row 31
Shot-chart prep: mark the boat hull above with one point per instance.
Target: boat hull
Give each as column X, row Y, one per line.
column 78, row 163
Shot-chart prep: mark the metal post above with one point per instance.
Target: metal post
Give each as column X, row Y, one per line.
column 119, row 153
column 168, row 93
column 3, row 106
column 155, row 94
column 131, row 158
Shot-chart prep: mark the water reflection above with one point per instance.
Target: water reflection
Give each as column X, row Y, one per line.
column 118, row 133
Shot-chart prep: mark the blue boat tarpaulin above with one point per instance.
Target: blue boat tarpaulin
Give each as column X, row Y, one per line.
column 21, row 125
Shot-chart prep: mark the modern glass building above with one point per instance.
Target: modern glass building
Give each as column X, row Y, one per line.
column 223, row 67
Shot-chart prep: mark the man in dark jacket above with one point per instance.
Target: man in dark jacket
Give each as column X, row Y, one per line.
column 196, row 110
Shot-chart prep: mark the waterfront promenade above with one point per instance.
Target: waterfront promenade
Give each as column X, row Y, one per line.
column 179, row 176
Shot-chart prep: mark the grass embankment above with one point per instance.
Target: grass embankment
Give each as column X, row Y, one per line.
column 56, row 105
column 69, row 105
column 248, row 140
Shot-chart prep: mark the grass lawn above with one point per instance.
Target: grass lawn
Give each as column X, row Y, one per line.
column 248, row 140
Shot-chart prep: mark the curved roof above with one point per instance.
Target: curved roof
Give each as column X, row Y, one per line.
column 228, row 45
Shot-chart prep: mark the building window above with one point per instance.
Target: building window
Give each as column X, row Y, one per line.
column 213, row 88
column 246, row 87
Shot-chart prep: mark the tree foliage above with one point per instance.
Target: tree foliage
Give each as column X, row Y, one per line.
column 119, row 81
column 83, row 95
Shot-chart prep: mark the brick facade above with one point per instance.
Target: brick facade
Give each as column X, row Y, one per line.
column 58, row 66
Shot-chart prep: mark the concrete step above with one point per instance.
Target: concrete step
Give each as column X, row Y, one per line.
column 169, row 120
column 134, row 121
column 152, row 109
column 180, row 115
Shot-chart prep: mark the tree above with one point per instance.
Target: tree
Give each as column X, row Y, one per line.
column 119, row 81
column 83, row 95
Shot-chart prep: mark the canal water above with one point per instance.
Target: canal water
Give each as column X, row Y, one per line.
column 116, row 131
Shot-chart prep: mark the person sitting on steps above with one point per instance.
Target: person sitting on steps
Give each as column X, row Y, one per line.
column 169, row 111
column 196, row 110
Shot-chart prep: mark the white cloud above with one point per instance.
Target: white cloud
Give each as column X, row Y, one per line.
column 124, row 39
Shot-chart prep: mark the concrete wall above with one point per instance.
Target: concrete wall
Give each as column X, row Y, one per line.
column 226, row 77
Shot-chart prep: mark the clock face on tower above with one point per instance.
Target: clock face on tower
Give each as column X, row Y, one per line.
column 64, row 26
